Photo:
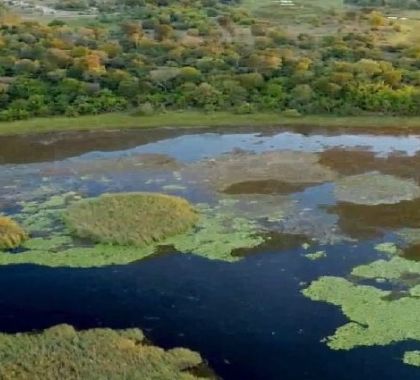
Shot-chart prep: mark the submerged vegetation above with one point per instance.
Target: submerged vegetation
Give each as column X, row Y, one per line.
column 11, row 234
column 63, row 352
column 137, row 219
column 281, row 170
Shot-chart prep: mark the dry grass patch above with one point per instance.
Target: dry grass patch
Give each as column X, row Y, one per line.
column 11, row 234
column 137, row 219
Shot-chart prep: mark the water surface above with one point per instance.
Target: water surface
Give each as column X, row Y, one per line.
column 247, row 318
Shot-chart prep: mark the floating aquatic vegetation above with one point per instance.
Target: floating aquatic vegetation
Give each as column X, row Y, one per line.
column 412, row 358
column 144, row 161
column 314, row 223
column 173, row 187
column 374, row 320
column 375, row 188
column 392, row 269
column 138, row 219
column 271, row 208
column 316, row 255
column 53, row 243
column 11, row 234
column 52, row 253
column 44, row 216
column 275, row 167
column 415, row 291
column 63, row 352
column 410, row 235
column 218, row 234
column 387, row 247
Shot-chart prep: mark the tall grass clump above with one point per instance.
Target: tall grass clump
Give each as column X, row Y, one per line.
column 11, row 234
column 137, row 219
column 61, row 352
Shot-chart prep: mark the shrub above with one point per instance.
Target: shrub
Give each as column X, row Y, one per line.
column 291, row 112
column 11, row 234
column 145, row 109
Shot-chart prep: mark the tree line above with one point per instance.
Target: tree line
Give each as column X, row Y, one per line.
column 201, row 54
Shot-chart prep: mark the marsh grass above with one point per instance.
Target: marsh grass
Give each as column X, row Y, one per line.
column 137, row 219
column 61, row 352
column 11, row 234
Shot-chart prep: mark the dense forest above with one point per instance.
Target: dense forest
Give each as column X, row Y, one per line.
column 408, row 4
column 145, row 56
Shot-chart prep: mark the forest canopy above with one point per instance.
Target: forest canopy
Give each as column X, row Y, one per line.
column 209, row 55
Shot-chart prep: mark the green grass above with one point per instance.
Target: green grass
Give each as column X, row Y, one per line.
column 200, row 119
column 61, row 352
column 137, row 219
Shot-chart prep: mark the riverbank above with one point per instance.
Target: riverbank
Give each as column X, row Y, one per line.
column 200, row 119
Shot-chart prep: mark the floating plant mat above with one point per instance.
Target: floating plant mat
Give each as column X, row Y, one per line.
column 100, row 166
column 375, row 188
column 267, row 172
column 63, row 352
column 218, row 232
column 376, row 316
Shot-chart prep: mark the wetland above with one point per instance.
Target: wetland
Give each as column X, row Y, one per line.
column 277, row 253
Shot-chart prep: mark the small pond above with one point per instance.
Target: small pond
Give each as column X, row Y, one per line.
column 283, row 208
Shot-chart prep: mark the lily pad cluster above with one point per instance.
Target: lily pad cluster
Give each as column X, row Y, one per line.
column 61, row 352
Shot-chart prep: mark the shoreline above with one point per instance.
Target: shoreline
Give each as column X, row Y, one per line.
column 121, row 121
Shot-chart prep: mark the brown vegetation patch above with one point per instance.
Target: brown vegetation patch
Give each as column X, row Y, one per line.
column 412, row 252
column 366, row 221
column 11, row 234
column 274, row 167
column 146, row 161
column 350, row 162
column 268, row 186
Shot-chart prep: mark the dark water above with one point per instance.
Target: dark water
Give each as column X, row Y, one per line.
column 247, row 318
